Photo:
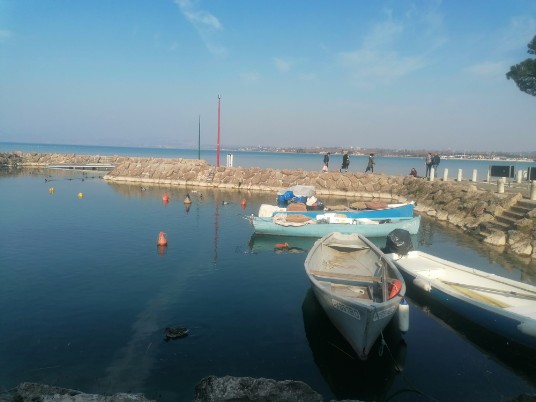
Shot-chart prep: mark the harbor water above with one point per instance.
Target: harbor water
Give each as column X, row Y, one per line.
column 86, row 294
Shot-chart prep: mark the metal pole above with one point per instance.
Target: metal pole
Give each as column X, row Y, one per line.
column 218, row 147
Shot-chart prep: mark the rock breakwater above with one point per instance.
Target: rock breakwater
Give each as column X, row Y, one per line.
column 464, row 205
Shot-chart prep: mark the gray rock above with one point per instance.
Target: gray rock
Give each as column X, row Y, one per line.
column 249, row 389
column 31, row 392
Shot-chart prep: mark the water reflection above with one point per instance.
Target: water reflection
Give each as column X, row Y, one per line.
column 519, row 358
column 269, row 243
column 347, row 376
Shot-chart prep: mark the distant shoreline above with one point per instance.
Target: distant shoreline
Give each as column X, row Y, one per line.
column 384, row 153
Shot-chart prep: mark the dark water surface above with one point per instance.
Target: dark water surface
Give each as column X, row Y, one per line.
column 85, row 296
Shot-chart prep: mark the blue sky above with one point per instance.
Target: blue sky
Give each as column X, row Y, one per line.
column 348, row 73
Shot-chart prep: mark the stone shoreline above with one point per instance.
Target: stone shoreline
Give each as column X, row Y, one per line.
column 462, row 204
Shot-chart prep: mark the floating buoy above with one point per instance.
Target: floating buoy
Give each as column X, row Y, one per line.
column 162, row 240
column 187, row 199
column 51, row 190
column 281, row 245
column 165, row 197
column 395, row 288
column 243, row 203
column 403, row 316
column 80, row 195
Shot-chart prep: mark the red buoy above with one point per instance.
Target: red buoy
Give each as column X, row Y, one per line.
column 162, row 240
column 243, row 203
column 165, row 197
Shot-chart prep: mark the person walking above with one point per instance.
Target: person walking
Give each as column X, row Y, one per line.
column 428, row 163
column 370, row 164
column 326, row 162
column 345, row 162
column 435, row 162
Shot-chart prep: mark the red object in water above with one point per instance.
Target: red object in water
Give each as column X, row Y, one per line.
column 243, row 203
column 162, row 240
column 281, row 245
column 165, row 201
column 165, row 198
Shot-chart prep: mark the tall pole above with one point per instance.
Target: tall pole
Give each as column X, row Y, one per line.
column 218, row 147
column 199, row 140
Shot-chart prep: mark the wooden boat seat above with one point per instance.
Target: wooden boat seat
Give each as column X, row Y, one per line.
column 360, row 292
column 349, row 277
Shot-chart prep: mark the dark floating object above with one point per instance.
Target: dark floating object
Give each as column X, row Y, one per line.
column 175, row 333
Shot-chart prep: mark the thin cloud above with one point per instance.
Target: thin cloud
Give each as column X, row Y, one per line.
column 384, row 57
column 487, row 69
column 250, row 76
column 205, row 24
column 308, row 77
column 281, row 65
column 5, row 35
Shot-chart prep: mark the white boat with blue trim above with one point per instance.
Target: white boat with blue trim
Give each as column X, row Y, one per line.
column 500, row 305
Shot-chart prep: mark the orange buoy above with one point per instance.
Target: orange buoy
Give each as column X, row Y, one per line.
column 243, row 203
column 281, row 245
column 165, row 197
column 395, row 288
column 162, row 240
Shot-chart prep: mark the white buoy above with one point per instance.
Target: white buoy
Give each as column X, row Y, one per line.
column 403, row 316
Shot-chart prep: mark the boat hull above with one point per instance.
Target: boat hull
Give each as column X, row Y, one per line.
column 266, row 226
column 487, row 300
column 405, row 210
column 360, row 325
column 349, row 277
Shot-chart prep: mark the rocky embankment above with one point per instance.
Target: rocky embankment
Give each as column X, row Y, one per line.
column 505, row 219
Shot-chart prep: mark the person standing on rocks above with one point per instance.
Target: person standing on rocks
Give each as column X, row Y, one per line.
column 435, row 162
column 428, row 163
column 326, row 162
column 370, row 164
column 345, row 162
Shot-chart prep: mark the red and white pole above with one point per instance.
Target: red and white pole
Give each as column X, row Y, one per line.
column 218, row 146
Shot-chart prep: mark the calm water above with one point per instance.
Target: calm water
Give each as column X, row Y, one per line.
column 386, row 165
column 85, row 295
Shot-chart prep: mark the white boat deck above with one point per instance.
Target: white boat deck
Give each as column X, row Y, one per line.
column 478, row 285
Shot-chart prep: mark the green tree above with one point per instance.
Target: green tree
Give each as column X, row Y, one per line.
column 524, row 73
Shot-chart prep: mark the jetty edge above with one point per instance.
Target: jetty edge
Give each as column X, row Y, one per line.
column 500, row 219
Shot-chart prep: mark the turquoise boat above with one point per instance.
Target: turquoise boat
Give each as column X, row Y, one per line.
column 310, row 227
column 402, row 210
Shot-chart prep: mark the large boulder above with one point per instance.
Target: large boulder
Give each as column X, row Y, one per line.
column 31, row 392
column 249, row 389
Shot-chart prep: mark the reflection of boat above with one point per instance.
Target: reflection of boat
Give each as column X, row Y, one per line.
column 346, row 375
column 359, row 289
column 284, row 225
column 500, row 305
column 272, row 243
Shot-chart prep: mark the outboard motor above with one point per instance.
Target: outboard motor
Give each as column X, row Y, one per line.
column 399, row 242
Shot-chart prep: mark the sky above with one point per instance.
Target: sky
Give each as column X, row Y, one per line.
column 400, row 74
